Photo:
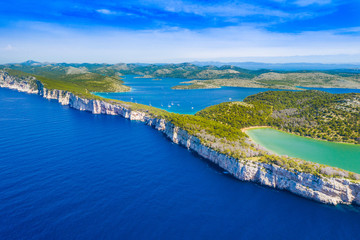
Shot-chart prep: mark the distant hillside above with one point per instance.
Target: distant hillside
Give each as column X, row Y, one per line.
column 285, row 66
column 209, row 76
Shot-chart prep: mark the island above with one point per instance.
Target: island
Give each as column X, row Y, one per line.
column 217, row 132
column 280, row 80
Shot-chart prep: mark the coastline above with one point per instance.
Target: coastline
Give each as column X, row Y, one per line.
column 253, row 127
column 322, row 189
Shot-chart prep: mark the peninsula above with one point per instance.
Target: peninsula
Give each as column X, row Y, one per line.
column 215, row 133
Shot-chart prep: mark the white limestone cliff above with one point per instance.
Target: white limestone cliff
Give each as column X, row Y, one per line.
column 12, row 82
column 322, row 189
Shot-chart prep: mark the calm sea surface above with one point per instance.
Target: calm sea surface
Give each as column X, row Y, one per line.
column 158, row 93
column 67, row 174
column 345, row 156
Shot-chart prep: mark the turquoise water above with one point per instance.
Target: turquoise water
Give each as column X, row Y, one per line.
column 345, row 156
column 158, row 93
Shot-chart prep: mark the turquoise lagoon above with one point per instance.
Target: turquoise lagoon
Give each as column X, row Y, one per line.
column 342, row 155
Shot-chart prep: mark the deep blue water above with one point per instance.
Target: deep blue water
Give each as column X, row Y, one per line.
column 67, row 174
column 158, row 93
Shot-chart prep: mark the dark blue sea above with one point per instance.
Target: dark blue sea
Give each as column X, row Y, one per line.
column 66, row 174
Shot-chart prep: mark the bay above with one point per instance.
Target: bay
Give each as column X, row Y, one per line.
column 158, row 93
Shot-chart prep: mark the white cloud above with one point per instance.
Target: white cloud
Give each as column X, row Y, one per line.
column 105, row 11
column 304, row 3
column 226, row 9
column 9, row 47
column 115, row 13
column 172, row 44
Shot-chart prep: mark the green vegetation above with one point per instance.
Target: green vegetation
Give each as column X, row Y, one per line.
column 196, row 84
column 281, row 80
column 298, row 165
column 81, row 84
column 217, row 83
column 332, row 117
column 22, row 76
column 84, row 84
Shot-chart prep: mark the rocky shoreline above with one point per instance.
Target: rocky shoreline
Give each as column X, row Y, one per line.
column 322, row 189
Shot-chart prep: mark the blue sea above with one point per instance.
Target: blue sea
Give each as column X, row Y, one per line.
column 67, row 174
column 158, row 93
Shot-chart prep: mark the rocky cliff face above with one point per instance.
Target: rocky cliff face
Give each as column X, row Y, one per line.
column 325, row 190
column 22, row 85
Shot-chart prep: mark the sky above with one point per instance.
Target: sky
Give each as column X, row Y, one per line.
column 155, row 31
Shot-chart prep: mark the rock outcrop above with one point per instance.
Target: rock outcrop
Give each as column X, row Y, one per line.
column 22, row 85
column 322, row 189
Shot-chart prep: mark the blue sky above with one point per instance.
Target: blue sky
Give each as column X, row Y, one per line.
column 177, row 31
